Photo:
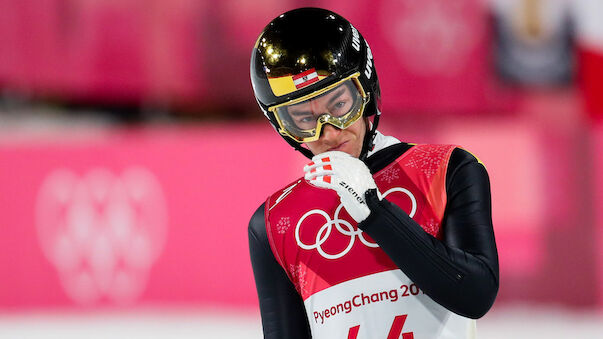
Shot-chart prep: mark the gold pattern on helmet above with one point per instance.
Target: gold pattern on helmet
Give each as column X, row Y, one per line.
column 310, row 128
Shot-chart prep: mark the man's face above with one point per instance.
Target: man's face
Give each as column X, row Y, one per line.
column 336, row 102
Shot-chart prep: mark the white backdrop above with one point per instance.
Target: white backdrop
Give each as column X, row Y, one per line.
column 518, row 322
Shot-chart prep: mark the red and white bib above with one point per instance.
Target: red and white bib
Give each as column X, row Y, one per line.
column 350, row 287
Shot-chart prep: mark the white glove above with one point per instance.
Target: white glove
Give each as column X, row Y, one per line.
column 346, row 175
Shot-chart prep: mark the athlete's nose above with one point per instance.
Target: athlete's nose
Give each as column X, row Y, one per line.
column 329, row 132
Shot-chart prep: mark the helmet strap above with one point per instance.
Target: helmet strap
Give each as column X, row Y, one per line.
column 298, row 147
column 369, row 139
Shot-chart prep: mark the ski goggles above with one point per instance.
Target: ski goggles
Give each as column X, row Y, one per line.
column 339, row 104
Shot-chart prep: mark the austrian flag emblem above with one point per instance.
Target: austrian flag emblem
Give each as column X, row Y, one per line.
column 305, row 78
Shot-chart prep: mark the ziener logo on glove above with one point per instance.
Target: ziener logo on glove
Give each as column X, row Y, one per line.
column 351, row 190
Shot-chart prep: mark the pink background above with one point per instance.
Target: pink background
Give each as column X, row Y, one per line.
column 214, row 177
column 542, row 146
column 196, row 53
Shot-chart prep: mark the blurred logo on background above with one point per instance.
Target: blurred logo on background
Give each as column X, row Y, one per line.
column 102, row 231
column 431, row 37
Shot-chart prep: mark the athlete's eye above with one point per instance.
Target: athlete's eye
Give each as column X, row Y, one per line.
column 340, row 108
column 305, row 121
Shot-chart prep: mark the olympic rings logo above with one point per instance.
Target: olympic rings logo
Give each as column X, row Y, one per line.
column 344, row 227
column 102, row 231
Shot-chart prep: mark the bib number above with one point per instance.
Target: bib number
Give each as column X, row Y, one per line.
column 394, row 332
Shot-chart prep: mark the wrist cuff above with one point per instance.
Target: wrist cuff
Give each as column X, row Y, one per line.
column 372, row 201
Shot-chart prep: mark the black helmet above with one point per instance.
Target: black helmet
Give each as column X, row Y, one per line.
column 302, row 54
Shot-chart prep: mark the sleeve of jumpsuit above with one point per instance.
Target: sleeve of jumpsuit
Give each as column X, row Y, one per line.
column 461, row 271
column 281, row 307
